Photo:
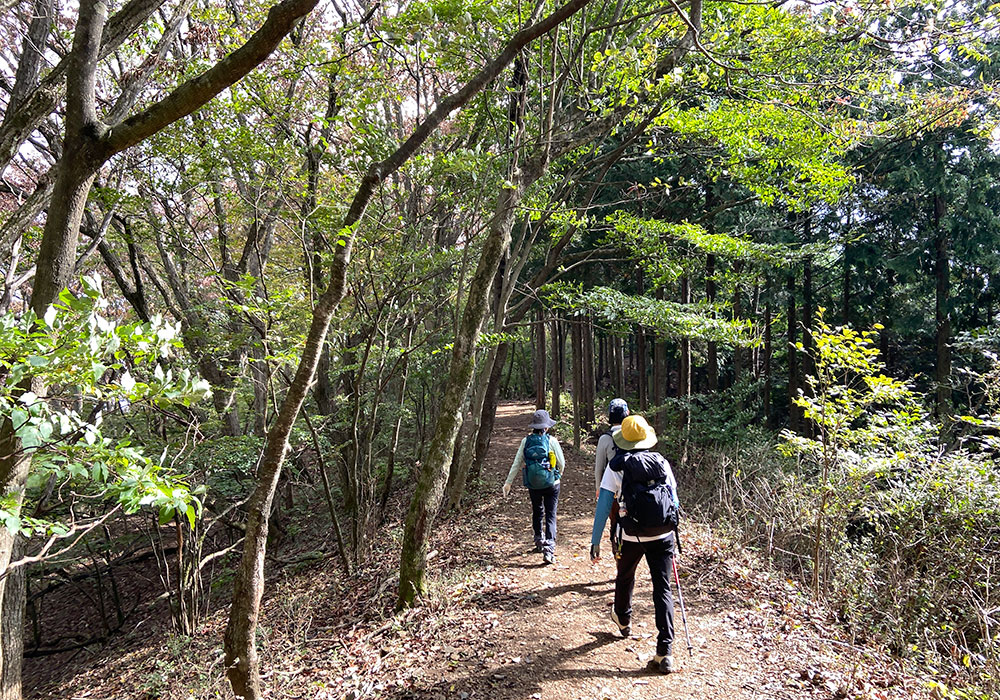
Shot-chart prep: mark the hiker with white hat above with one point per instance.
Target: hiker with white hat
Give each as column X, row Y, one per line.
column 606, row 449
column 540, row 460
column 644, row 486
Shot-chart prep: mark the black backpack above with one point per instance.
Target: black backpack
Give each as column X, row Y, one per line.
column 648, row 507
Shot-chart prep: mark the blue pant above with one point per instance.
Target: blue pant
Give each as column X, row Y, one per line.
column 544, row 504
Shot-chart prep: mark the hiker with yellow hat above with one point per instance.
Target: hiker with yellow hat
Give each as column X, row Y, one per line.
column 644, row 487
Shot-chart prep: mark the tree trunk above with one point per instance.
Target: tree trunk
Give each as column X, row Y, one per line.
column 324, row 391
column 490, row 403
column 942, row 313
column 712, row 354
column 642, row 379
column 619, row 364
column 259, row 377
column 434, row 471
column 684, row 372
column 659, row 365
column 575, row 334
column 684, row 380
column 887, row 314
column 808, row 313
column 845, row 293
column 459, row 472
column 793, row 370
column 766, row 360
column 556, row 381
column 74, row 174
column 589, row 381
column 87, row 145
column 738, row 352
column 29, row 63
column 242, row 665
column 807, row 366
column 538, row 355
column 602, row 359
column 390, row 466
column 12, row 624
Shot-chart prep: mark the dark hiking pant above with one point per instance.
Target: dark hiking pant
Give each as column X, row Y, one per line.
column 544, row 503
column 658, row 556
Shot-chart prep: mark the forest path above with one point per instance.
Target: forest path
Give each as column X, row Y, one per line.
column 754, row 635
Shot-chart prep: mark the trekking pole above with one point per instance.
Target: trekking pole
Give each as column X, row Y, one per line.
column 680, row 596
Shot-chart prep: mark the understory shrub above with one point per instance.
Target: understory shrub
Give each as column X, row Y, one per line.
column 897, row 529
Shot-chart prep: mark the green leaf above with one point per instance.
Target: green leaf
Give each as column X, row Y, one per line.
column 18, row 417
column 166, row 515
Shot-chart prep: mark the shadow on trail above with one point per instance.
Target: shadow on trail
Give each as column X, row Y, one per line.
column 522, row 679
column 526, row 565
column 513, row 600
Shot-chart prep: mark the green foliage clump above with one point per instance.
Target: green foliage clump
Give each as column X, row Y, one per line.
column 77, row 355
column 666, row 319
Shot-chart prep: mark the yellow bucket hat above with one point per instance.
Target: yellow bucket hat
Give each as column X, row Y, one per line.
column 636, row 434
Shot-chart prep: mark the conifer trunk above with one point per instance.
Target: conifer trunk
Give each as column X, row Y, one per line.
column 684, row 382
column 942, row 313
column 642, row 378
column 619, row 364
column 588, row 372
column 887, row 314
column 738, row 353
column 766, row 359
column 712, row 353
column 556, row 380
column 577, row 341
column 793, row 370
column 659, row 362
column 539, row 357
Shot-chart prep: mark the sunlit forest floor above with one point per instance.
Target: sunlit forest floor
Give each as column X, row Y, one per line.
column 500, row 623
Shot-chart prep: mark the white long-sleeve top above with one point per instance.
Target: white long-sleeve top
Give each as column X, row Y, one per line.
column 518, row 464
column 606, row 452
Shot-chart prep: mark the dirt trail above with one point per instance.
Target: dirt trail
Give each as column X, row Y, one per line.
column 751, row 638
column 499, row 624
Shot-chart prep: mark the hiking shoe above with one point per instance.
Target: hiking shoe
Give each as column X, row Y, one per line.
column 625, row 630
column 549, row 558
column 538, row 547
column 662, row 664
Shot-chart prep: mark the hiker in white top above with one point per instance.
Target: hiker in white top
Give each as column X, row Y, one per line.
column 540, row 460
column 606, row 450
column 643, row 484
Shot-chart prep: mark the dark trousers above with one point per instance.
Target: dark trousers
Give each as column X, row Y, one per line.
column 544, row 504
column 658, row 555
